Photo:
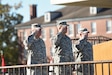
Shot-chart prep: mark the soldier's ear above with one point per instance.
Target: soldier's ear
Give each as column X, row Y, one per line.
column 60, row 27
column 80, row 34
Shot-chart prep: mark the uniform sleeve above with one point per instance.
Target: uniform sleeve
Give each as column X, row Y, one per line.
column 75, row 50
column 58, row 39
column 80, row 44
column 43, row 47
column 29, row 41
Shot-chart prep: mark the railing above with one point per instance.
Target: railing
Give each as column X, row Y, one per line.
column 95, row 39
column 100, row 68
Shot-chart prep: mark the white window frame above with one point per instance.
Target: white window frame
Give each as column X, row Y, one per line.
column 51, row 32
column 93, row 28
column 43, row 34
column 78, row 27
column 47, row 17
column 71, row 29
column 109, row 26
column 24, row 35
column 93, row 10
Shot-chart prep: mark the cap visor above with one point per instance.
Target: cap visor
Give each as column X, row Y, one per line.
column 86, row 32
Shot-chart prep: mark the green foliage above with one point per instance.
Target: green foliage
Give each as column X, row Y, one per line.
column 8, row 35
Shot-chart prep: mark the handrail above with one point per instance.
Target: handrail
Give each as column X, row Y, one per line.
column 57, row 64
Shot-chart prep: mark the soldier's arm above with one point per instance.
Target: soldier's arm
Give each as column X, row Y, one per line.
column 30, row 41
column 74, row 48
column 80, row 44
column 43, row 48
column 58, row 38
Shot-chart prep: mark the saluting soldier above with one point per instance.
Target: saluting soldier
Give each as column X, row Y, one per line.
column 37, row 50
column 83, row 52
column 63, row 49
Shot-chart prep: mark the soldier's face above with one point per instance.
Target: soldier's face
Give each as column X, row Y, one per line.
column 83, row 35
column 64, row 28
column 38, row 32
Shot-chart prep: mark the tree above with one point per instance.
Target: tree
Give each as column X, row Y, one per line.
column 8, row 34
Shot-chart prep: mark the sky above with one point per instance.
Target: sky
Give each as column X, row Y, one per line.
column 43, row 6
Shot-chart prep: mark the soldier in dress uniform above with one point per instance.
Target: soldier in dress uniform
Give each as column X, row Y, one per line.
column 63, row 49
column 83, row 52
column 37, row 51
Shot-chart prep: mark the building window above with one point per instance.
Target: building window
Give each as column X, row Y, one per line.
column 93, row 10
column 93, row 27
column 78, row 27
column 43, row 34
column 51, row 31
column 23, row 35
column 109, row 26
column 71, row 29
column 47, row 17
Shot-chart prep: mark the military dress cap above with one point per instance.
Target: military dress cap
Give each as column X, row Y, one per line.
column 83, row 30
column 63, row 23
column 36, row 25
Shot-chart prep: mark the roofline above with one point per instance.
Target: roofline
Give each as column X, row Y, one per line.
column 29, row 26
column 87, row 18
column 53, row 24
column 68, row 20
column 97, row 3
column 22, row 27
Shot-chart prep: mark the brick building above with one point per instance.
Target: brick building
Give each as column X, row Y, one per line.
column 97, row 20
